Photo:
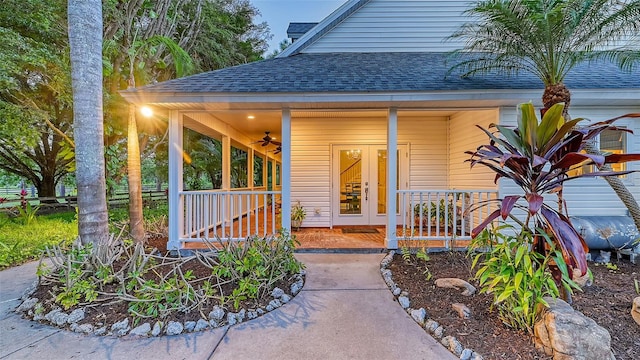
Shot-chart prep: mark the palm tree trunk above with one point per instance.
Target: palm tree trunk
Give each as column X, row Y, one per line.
column 136, row 223
column 85, row 41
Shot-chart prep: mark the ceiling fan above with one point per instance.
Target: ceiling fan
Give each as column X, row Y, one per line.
column 267, row 139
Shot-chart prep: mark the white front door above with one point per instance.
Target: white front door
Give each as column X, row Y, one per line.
column 359, row 183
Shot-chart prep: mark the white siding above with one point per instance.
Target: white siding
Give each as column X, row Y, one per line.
column 465, row 136
column 395, row 26
column 428, row 156
column 592, row 196
column 311, row 155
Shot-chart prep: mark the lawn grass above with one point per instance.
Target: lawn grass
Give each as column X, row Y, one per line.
column 20, row 242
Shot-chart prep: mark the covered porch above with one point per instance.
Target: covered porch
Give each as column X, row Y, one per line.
column 311, row 161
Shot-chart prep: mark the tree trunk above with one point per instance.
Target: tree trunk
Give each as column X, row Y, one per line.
column 47, row 190
column 85, row 42
column 136, row 224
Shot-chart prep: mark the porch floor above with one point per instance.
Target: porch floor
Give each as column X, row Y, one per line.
column 325, row 238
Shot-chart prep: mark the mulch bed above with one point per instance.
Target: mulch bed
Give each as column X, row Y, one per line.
column 608, row 302
column 102, row 313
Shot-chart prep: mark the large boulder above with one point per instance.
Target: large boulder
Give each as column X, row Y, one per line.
column 455, row 283
column 635, row 310
column 568, row 334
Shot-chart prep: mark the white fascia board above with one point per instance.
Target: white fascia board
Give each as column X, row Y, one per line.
column 474, row 98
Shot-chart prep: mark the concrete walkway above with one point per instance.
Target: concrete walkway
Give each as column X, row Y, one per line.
column 344, row 311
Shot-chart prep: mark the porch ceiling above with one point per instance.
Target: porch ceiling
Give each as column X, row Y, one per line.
column 269, row 120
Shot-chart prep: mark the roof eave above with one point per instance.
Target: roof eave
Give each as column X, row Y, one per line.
column 416, row 99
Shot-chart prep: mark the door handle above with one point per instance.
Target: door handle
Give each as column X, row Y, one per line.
column 366, row 193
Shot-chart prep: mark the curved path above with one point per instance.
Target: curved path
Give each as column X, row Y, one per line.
column 344, row 311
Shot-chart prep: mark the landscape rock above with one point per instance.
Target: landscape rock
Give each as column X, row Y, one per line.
column 452, row 344
column 431, row 326
column 157, row 329
column 463, row 311
column 568, row 334
column 252, row 315
column 84, row 328
column 438, row 332
column 635, row 310
column 404, row 302
column 216, row 314
column 202, row 324
column 26, row 305
column 76, row 316
column 466, row 354
column 260, row 311
column 100, row 331
column 121, row 328
column 231, row 318
column 296, row 287
column 476, row 356
column 174, row 328
column 285, row 298
column 142, row 330
column 277, row 293
column 29, row 290
column 582, row 280
column 397, row 291
column 419, row 315
column 454, row 283
column 57, row 317
column 189, row 326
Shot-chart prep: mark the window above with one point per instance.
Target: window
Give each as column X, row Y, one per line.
column 277, row 174
column 202, row 167
column 258, row 173
column 614, row 142
column 610, row 142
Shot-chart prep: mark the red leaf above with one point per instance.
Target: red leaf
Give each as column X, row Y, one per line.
column 620, row 158
column 507, row 205
column 535, row 202
column 478, row 229
column 572, row 245
column 574, row 158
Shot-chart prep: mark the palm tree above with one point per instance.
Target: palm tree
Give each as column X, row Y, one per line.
column 139, row 51
column 85, row 41
column 548, row 38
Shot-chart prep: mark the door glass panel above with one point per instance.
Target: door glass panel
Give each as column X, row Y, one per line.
column 382, row 182
column 350, row 181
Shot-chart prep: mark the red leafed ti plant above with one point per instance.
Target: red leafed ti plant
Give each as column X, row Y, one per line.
column 539, row 156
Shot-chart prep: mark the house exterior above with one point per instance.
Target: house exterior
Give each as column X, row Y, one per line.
column 370, row 123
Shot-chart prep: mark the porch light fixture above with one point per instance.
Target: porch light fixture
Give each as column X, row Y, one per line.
column 251, row 117
column 353, row 154
column 146, row 111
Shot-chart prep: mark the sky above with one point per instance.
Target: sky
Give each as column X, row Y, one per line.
column 279, row 13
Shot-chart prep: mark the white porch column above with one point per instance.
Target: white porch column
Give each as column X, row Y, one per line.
column 226, row 176
column 285, row 175
column 392, row 179
column 250, row 166
column 176, row 205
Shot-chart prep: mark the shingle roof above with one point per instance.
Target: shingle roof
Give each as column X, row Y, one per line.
column 297, row 29
column 376, row 72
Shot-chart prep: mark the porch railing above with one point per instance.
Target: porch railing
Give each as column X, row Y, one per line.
column 228, row 215
column 442, row 214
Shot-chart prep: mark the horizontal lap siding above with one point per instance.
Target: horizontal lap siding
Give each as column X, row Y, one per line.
column 311, row 155
column 591, row 196
column 465, row 136
column 395, row 26
column 428, row 156
column 311, row 141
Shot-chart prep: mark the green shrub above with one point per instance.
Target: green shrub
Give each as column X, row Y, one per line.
column 515, row 276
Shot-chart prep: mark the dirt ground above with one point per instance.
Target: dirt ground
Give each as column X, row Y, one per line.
column 608, row 301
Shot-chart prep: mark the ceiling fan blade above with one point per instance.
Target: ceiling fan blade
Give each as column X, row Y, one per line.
column 265, row 143
column 278, row 150
column 278, row 143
